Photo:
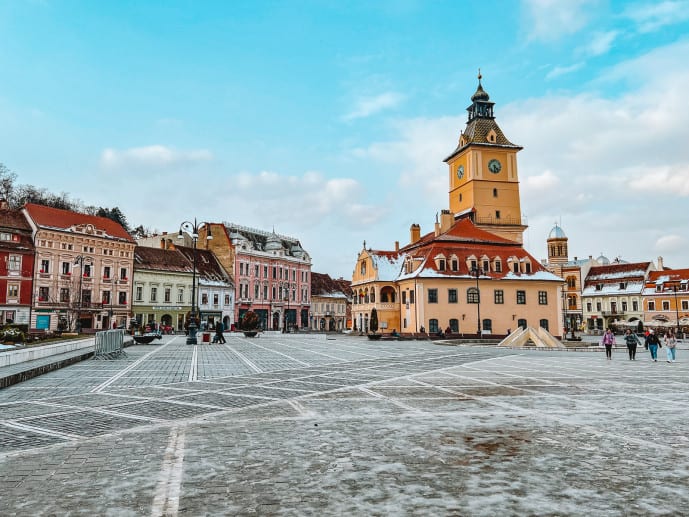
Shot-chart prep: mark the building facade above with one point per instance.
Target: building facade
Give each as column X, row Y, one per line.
column 612, row 295
column 83, row 273
column 271, row 273
column 471, row 274
column 16, row 267
column 329, row 303
column 666, row 299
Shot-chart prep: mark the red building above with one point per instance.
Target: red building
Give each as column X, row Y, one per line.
column 16, row 266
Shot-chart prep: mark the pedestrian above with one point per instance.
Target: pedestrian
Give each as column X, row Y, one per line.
column 631, row 340
column 608, row 342
column 219, row 328
column 652, row 342
column 670, row 345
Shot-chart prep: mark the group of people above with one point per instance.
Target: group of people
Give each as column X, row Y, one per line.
column 651, row 343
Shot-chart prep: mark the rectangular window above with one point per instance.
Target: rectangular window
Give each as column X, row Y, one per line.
column 275, row 274
column 515, row 267
column 411, row 296
column 227, row 299
column 87, row 270
column 139, row 293
column 86, row 296
column 204, row 298
column 499, row 296
column 122, row 298
column 452, row 295
column 685, row 305
column 527, row 267
column 624, row 306
column 666, row 306
column 265, row 271
column 180, row 295
column 154, row 294
column 441, row 265
column 123, row 273
column 64, row 295
column 14, row 263
column 589, row 307
column 13, row 291
column 106, row 297
column 265, row 293
column 65, row 268
column 45, row 266
column 651, row 305
column 498, row 266
column 455, row 265
column 168, row 295
column 106, row 272
column 216, row 298
column 521, row 297
column 542, row 297
column 43, row 294
column 404, row 297
column 635, row 305
column 598, row 306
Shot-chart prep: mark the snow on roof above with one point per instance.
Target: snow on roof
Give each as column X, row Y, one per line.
column 387, row 264
column 614, row 289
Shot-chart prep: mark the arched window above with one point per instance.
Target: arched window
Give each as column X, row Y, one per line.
column 472, row 295
column 571, row 282
column 454, row 326
column 363, row 267
column 433, row 326
column 521, row 323
column 373, row 295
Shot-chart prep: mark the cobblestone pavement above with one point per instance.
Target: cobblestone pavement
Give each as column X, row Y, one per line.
column 304, row 425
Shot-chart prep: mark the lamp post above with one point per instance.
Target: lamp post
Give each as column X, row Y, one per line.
column 674, row 290
column 193, row 230
column 564, row 313
column 286, row 312
column 477, row 272
column 112, row 295
column 80, row 260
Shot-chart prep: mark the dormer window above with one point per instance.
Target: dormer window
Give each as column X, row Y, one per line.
column 599, row 287
column 441, row 264
column 527, row 267
column 491, row 136
column 623, row 285
column 659, row 288
column 498, row 266
column 455, row 264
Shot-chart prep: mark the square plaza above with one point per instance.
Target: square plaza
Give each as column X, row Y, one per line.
column 309, row 425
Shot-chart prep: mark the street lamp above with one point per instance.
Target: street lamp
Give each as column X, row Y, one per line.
column 674, row 290
column 112, row 295
column 193, row 230
column 476, row 271
column 80, row 260
column 286, row 312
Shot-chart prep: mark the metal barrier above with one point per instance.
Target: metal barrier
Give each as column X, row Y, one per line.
column 109, row 344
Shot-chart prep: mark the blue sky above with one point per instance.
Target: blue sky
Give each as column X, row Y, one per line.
column 329, row 120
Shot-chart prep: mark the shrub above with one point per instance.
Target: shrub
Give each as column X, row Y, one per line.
column 250, row 321
column 13, row 335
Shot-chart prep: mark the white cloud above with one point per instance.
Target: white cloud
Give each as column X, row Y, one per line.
column 152, row 156
column 542, row 182
column 367, row 106
column 672, row 180
column 558, row 71
column 652, row 16
column 671, row 244
column 550, row 20
column 599, row 44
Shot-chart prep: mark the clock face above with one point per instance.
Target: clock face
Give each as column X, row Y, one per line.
column 460, row 172
column 494, row 166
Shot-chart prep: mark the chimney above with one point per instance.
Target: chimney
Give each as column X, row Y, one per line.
column 661, row 267
column 446, row 220
column 164, row 233
column 414, row 233
column 575, row 258
column 397, row 245
column 162, row 244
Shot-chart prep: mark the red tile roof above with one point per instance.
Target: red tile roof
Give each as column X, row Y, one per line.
column 15, row 223
column 322, row 284
column 48, row 217
column 670, row 275
column 159, row 259
column 207, row 264
column 612, row 273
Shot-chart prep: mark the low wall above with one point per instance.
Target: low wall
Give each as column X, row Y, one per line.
column 38, row 352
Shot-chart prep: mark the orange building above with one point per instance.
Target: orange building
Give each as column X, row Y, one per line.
column 471, row 274
column 666, row 299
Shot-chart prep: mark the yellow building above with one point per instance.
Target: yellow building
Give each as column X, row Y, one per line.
column 471, row 274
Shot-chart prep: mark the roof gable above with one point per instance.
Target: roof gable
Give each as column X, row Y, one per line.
column 68, row 220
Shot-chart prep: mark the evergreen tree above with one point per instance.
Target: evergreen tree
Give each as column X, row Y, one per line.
column 373, row 324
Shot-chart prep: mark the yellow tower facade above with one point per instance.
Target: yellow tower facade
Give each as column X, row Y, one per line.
column 483, row 175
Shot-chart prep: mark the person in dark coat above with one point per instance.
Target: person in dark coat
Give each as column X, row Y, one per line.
column 631, row 340
column 219, row 328
column 652, row 342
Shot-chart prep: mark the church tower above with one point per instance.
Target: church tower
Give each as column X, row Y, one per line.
column 557, row 246
column 483, row 179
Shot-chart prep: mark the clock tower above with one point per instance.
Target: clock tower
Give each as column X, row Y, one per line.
column 483, row 179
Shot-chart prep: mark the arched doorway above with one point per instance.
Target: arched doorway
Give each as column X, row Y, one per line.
column 276, row 320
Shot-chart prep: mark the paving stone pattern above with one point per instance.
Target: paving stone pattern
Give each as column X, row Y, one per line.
column 303, row 425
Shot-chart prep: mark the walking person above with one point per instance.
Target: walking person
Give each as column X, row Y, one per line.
column 632, row 341
column 670, row 345
column 608, row 342
column 652, row 342
column 219, row 328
